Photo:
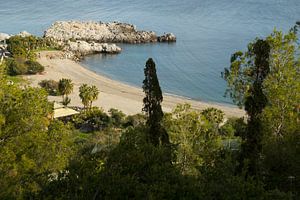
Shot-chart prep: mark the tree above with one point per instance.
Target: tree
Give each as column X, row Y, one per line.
column 32, row 146
column 245, row 80
column 152, row 106
column 195, row 138
column 88, row 94
column 65, row 87
column 282, row 86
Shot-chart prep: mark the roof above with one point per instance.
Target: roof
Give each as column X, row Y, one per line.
column 62, row 111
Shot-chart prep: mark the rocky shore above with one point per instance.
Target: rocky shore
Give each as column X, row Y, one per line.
column 78, row 39
column 100, row 32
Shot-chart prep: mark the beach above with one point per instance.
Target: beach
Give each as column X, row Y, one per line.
column 113, row 94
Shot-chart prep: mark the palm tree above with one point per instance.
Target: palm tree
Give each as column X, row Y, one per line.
column 94, row 94
column 65, row 87
column 88, row 94
column 83, row 94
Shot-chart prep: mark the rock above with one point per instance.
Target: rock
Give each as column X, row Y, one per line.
column 24, row 34
column 167, row 37
column 85, row 48
column 99, row 32
column 4, row 36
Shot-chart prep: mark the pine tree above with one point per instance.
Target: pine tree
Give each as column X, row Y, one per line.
column 152, row 105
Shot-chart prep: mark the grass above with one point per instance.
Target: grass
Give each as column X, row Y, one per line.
column 16, row 79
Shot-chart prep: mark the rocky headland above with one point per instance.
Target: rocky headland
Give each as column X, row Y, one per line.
column 99, row 32
column 78, row 39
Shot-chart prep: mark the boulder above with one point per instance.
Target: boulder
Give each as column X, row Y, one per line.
column 24, row 34
column 167, row 37
column 4, row 36
column 85, row 48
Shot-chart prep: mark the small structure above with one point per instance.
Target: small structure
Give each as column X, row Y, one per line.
column 61, row 111
column 3, row 49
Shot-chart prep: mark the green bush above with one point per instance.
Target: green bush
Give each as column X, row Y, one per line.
column 16, row 66
column 117, row 117
column 91, row 120
column 26, row 46
column 51, row 86
column 34, row 67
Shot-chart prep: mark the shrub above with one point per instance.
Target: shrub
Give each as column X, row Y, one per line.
column 34, row 67
column 134, row 120
column 16, row 66
column 117, row 117
column 51, row 86
column 92, row 120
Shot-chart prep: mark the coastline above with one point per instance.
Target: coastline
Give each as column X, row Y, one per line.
column 113, row 94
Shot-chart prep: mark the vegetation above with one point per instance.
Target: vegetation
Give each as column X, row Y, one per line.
column 88, row 94
column 185, row 154
column 65, row 88
column 23, row 50
column 153, row 98
column 50, row 86
column 27, row 46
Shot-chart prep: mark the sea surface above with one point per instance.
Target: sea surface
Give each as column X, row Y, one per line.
column 208, row 32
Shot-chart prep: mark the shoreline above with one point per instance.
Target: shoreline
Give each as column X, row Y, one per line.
column 113, row 94
column 164, row 93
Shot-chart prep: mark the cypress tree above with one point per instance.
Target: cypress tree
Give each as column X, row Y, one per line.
column 245, row 79
column 152, row 105
column 254, row 105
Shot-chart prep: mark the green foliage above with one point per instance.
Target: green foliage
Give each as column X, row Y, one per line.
column 234, row 127
column 31, row 146
column 282, row 86
column 282, row 162
column 16, row 66
column 66, row 101
column 271, row 98
column 19, row 66
column 247, row 70
column 88, row 94
column 245, row 79
column 136, row 169
column 65, row 87
column 194, row 136
column 117, row 117
column 152, row 106
column 213, row 115
column 135, row 120
column 81, row 178
column 26, row 46
column 34, row 67
column 50, row 86
column 219, row 181
column 94, row 119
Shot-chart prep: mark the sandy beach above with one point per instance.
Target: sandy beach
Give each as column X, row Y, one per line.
column 113, row 94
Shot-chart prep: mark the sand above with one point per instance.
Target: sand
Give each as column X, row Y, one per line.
column 113, row 94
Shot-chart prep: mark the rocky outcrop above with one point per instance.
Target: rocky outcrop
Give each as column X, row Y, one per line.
column 167, row 37
column 99, row 32
column 4, row 36
column 24, row 34
column 85, row 48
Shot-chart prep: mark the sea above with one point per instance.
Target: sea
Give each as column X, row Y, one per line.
column 208, row 32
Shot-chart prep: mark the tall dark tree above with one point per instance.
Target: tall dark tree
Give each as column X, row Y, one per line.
column 245, row 79
column 152, row 105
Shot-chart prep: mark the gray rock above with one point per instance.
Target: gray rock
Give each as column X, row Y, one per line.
column 24, row 34
column 85, row 48
column 167, row 37
column 114, row 32
column 4, row 36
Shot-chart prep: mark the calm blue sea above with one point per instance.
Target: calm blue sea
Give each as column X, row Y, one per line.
column 208, row 32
